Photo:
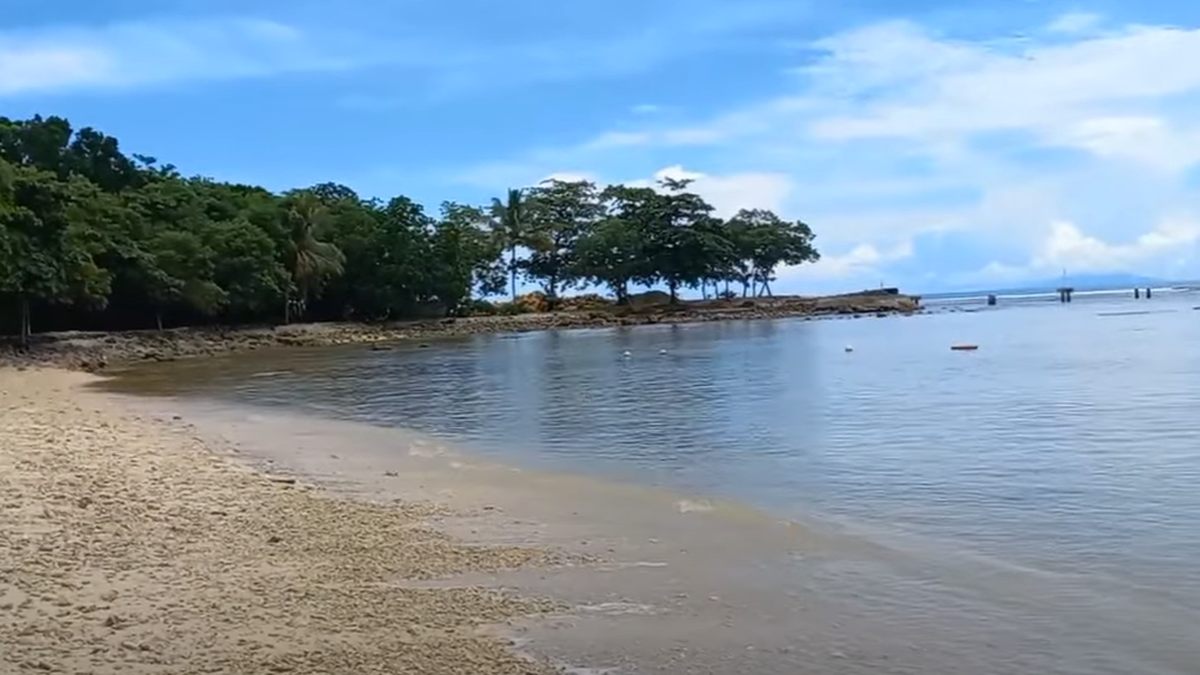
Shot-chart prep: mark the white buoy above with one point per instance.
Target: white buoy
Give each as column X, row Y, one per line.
column 662, row 351
column 849, row 349
column 627, row 354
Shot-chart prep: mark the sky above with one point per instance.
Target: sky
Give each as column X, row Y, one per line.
column 931, row 145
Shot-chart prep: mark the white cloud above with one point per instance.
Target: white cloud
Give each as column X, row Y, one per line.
column 1171, row 245
column 156, row 51
column 144, row 53
column 731, row 193
column 1078, row 22
column 1061, row 93
column 897, row 81
column 1071, row 149
column 862, row 261
column 568, row 177
column 728, row 193
column 616, row 139
column 1067, row 246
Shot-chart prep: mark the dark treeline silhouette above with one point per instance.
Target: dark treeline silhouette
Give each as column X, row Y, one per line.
column 93, row 239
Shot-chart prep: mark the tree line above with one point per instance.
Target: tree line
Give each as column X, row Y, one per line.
column 92, row 238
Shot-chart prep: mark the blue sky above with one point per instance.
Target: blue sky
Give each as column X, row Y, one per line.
column 930, row 144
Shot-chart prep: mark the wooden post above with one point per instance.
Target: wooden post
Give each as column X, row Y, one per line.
column 1137, row 293
column 991, row 300
column 1147, row 293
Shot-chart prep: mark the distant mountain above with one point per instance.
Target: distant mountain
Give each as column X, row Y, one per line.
column 1080, row 282
column 1097, row 282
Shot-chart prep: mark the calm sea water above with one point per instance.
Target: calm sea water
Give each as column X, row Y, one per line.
column 1067, row 446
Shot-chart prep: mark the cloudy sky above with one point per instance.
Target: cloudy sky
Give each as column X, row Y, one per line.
column 930, row 144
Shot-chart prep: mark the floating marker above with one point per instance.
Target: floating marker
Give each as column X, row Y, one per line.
column 849, row 349
column 964, row 348
column 626, row 354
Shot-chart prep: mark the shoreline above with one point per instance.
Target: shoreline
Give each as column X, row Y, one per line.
column 95, row 351
column 139, row 529
column 135, row 545
column 674, row 583
column 647, row 585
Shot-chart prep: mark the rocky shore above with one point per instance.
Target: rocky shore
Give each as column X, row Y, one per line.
column 96, row 351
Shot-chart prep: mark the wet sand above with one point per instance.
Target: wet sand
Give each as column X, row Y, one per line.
column 143, row 535
column 667, row 583
column 129, row 545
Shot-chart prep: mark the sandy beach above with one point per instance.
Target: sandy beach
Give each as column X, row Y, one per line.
column 131, row 546
column 161, row 534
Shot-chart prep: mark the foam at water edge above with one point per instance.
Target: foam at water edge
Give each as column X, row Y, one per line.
column 690, row 506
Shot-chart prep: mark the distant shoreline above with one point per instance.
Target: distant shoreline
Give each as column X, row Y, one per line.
column 95, row 351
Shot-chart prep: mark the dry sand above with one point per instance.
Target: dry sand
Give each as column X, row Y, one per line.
column 128, row 546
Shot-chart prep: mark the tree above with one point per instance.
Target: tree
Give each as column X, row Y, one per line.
column 764, row 241
column 50, row 252
column 93, row 238
column 182, row 274
column 246, row 266
column 310, row 261
column 8, row 271
column 683, row 241
column 37, row 143
column 509, row 224
column 559, row 213
column 613, row 252
column 464, row 256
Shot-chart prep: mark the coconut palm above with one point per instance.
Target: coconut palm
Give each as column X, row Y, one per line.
column 509, row 223
column 309, row 260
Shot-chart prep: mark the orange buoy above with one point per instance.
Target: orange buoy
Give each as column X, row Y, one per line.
column 964, row 348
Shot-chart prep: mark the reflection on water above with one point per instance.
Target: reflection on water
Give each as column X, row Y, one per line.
column 1061, row 457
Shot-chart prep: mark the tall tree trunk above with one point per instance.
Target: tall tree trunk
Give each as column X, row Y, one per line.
column 26, row 327
column 673, row 286
column 158, row 320
column 512, row 269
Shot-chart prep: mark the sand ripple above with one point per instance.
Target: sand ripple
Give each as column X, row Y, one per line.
column 128, row 546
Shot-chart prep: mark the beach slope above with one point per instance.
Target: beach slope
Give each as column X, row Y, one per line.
column 127, row 545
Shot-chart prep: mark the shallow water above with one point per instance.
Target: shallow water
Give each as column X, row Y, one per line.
column 1037, row 497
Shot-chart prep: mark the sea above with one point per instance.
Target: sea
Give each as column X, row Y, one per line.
column 1043, row 487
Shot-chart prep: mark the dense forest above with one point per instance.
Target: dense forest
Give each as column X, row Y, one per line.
column 92, row 238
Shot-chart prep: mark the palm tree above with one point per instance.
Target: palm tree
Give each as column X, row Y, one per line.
column 309, row 260
column 509, row 223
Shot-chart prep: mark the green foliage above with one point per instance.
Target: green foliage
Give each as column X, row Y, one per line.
column 558, row 215
column 467, row 256
column 762, row 241
column 509, row 228
column 92, row 238
column 615, row 252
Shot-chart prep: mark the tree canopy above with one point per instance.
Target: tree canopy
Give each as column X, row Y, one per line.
column 92, row 238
